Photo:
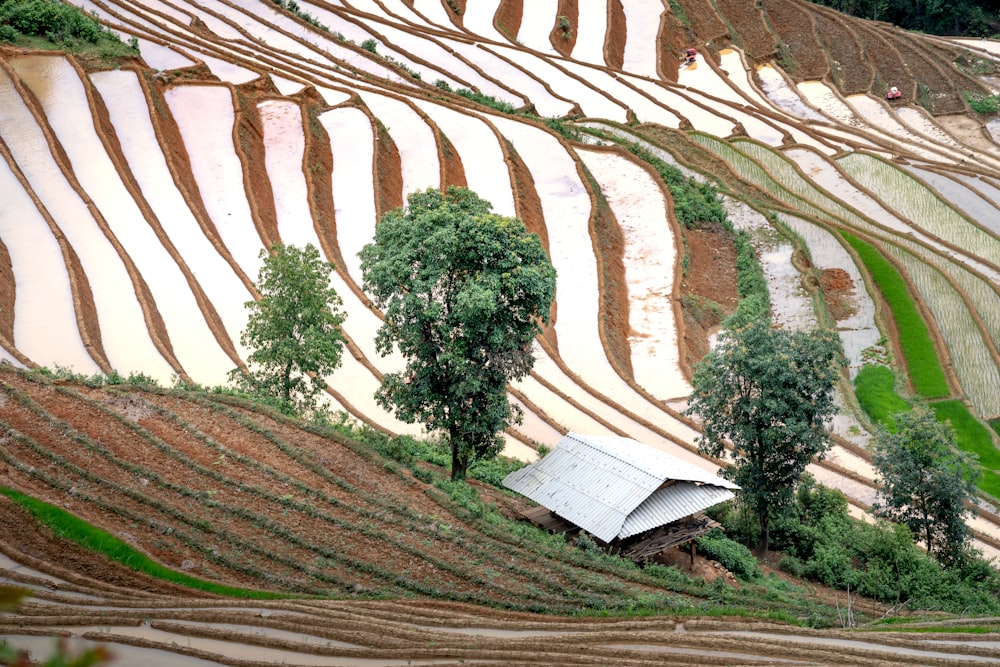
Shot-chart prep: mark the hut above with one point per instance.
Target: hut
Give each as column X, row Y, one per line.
column 633, row 498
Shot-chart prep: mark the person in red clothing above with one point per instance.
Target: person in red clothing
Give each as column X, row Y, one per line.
column 690, row 56
column 893, row 94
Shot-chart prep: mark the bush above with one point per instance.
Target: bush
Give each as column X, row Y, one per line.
column 733, row 556
column 7, row 34
column 49, row 18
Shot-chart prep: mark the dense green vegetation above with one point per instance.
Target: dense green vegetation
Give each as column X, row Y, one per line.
column 54, row 24
column 464, row 291
column 293, row 330
column 820, row 541
column 764, row 396
column 937, row 17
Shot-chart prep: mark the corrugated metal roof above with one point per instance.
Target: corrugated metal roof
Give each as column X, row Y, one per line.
column 599, row 482
column 670, row 504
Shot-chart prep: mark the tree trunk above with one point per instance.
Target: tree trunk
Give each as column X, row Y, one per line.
column 764, row 528
column 459, row 463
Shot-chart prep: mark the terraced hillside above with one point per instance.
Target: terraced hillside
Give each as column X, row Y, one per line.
column 136, row 199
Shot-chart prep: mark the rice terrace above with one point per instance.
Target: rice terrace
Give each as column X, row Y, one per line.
column 151, row 149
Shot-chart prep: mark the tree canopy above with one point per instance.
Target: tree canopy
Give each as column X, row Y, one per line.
column 293, row 330
column 937, row 17
column 768, row 392
column 925, row 482
column 464, row 293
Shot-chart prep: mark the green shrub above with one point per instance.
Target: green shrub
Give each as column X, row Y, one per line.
column 733, row 556
column 791, row 565
column 370, row 45
column 984, row 104
column 7, row 34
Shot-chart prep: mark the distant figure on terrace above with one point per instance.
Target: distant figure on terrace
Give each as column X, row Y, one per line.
column 893, row 94
column 690, row 56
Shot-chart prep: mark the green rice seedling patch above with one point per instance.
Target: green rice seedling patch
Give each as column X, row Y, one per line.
column 875, row 389
column 914, row 338
column 920, row 205
column 970, row 356
column 69, row 527
column 975, row 438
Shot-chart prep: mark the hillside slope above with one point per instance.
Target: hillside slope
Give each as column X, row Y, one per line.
column 136, row 199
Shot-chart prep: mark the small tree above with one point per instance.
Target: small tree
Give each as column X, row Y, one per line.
column 464, row 292
column 926, row 482
column 768, row 392
column 293, row 330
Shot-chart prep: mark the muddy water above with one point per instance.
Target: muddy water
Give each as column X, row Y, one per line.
column 284, row 148
column 534, row 428
column 572, row 418
column 161, row 57
column 54, row 82
column 414, row 139
column 642, row 24
column 701, row 119
column 701, row 78
column 129, row 114
column 352, row 143
column 731, row 62
column 433, row 10
column 228, row 651
column 45, row 328
column 205, row 118
column 537, row 19
column 567, row 208
column 858, row 332
column 590, row 33
column 646, row 109
column 888, row 125
column 528, row 89
column 947, row 653
column 592, row 100
column 123, row 327
column 650, row 259
column 783, row 96
column 485, row 169
column 42, row 647
column 478, row 17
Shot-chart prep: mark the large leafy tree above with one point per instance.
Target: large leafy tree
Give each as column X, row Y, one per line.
column 464, row 292
column 767, row 392
column 293, row 330
column 926, row 482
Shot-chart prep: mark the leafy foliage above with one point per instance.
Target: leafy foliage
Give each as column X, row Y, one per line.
column 293, row 330
column 59, row 23
column 937, row 17
column 823, row 542
column 731, row 555
column 464, row 292
column 769, row 392
column 925, row 482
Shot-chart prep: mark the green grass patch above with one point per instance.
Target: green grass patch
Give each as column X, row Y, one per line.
column 914, row 338
column 69, row 527
column 875, row 389
column 975, row 438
